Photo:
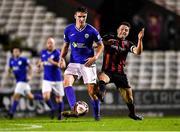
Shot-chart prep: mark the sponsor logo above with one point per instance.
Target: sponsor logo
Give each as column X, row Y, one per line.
column 78, row 45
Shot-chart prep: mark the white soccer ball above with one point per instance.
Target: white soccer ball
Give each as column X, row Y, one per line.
column 81, row 108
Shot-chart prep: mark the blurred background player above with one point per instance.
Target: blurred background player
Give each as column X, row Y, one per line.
column 52, row 79
column 80, row 36
column 22, row 70
column 115, row 53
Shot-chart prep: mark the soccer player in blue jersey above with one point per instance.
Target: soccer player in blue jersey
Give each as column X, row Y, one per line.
column 22, row 70
column 80, row 37
column 52, row 80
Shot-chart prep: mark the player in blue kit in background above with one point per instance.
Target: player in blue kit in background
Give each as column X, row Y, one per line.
column 80, row 36
column 22, row 70
column 52, row 79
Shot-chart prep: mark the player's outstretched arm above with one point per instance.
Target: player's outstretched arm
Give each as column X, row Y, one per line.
column 138, row 50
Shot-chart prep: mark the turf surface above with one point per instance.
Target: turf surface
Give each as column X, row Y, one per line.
column 88, row 124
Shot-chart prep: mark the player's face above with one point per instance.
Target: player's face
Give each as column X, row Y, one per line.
column 123, row 31
column 80, row 17
column 16, row 52
column 50, row 44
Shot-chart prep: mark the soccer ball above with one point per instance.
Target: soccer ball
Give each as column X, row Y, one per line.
column 81, row 108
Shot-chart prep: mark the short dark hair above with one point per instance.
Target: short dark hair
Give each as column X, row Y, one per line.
column 126, row 23
column 16, row 48
column 82, row 9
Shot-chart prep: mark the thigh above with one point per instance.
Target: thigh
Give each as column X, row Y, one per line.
column 121, row 81
column 89, row 74
column 73, row 69
column 46, row 86
column 22, row 88
column 58, row 88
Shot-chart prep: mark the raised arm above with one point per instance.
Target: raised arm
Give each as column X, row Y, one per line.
column 138, row 50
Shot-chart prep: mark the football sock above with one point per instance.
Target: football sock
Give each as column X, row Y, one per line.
column 60, row 109
column 102, row 86
column 13, row 107
column 38, row 96
column 50, row 104
column 131, row 108
column 96, row 108
column 70, row 94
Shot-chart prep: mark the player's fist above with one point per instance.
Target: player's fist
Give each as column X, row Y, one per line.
column 62, row 63
column 29, row 77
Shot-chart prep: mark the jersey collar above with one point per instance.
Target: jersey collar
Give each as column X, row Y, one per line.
column 80, row 30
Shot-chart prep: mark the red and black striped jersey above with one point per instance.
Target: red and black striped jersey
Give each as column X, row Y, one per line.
column 115, row 55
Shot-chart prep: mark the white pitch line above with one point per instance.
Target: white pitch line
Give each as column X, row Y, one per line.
column 23, row 127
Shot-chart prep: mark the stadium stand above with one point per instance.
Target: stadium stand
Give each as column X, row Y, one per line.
column 30, row 22
column 33, row 24
column 172, row 5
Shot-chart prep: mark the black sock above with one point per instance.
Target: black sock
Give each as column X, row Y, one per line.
column 102, row 86
column 131, row 108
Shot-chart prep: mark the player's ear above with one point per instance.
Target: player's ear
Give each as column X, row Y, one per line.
column 75, row 16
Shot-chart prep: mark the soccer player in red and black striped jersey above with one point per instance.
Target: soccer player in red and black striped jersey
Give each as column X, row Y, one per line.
column 116, row 49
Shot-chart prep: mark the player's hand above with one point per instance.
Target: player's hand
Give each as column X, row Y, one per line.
column 50, row 61
column 90, row 61
column 141, row 34
column 62, row 63
column 29, row 77
column 38, row 69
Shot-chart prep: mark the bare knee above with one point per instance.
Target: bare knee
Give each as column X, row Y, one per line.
column 16, row 96
column 59, row 99
column 68, row 80
column 30, row 96
column 104, row 77
column 46, row 96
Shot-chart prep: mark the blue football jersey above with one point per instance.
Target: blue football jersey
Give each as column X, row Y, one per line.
column 19, row 67
column 51, row 72
column 81, row 42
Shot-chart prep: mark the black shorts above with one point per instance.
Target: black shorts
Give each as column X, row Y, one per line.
column 120, row 80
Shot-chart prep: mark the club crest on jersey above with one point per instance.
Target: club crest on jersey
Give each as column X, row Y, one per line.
column 52, row 57
column 43, row 55
column 19, row 62
column 86, row 35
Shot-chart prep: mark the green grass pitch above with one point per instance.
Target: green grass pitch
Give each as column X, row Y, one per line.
column 88, row 124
